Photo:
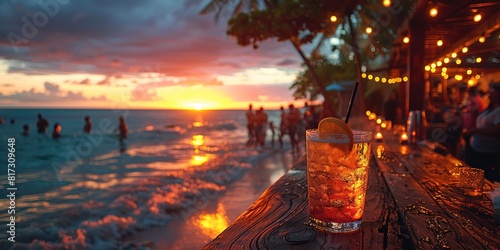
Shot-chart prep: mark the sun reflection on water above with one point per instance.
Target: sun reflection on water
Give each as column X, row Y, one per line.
column 197, row 160
column 212, row 225
column 197, row 140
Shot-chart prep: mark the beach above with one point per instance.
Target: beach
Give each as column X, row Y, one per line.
column 197, row 228
column 89, row 191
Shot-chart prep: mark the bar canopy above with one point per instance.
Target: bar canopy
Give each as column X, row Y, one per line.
column 448, row 39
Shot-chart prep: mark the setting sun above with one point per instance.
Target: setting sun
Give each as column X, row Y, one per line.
column 198, row 106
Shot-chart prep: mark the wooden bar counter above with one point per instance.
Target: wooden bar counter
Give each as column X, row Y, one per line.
column 413, row 202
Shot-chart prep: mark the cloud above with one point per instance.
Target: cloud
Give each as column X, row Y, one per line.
column 106, row 81
column 266, row 92
column 142, row 93
column 84, row 82
column 129, row 37
column 52, row 93
column 51, row 88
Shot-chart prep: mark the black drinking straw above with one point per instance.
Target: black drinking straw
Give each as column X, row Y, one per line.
column 349, row 108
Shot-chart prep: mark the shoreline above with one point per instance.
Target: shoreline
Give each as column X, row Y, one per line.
column 198, row 226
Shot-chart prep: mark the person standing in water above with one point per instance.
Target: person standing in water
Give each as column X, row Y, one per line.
column 250, row 115
column 42, row 124
column 57, row 131
column 123, row 129
column 88, row 125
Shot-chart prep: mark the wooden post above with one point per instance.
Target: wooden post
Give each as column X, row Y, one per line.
column 416, row 64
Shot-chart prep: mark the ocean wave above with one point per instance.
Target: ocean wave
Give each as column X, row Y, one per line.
column 100, row 223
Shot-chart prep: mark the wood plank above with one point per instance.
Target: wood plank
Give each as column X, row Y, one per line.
column 278, row 219
column 430, row 203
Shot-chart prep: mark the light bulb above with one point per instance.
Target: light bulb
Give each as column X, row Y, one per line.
column 433, row 12
column 477, row 18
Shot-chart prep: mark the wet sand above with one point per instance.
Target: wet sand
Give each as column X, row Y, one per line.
column 194, row 229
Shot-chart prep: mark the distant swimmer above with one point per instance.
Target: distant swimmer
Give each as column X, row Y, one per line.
column 26, row 130
column 123, row 129
column 57, row 131
column 88, row 125
column 42, row 124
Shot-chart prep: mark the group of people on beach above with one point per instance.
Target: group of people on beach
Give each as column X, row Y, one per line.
column 42, row 124
column 292, row 123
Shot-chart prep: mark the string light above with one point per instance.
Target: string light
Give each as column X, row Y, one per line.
column 433, row 12
column 439, row 63
column 446, row 60
column 385, row 80
column 482, row 39
column 477, row 18
column 478, row 60
column 386, row 3
column 453, row 55
column 469, row 72
column 333, row 18
column 439, row 43
column 406, row 39
column 427, row 68
column 369, row 30
column 465, row 49
column 458, row 61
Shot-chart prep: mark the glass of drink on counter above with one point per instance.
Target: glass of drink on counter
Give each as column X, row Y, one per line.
column 337, row 174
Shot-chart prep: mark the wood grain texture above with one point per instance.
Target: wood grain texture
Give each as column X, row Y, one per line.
column 277, row 220
column 413, row 202
column 432, row 206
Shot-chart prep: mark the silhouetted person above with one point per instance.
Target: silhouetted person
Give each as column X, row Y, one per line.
column 273, row 128
column 26, row 130
column 250, row 115
column 88, row 125
column 484, row 147
column 42, row 124
column 123, row 129
column 283, row 126
column 293, row 118
column 57, row 131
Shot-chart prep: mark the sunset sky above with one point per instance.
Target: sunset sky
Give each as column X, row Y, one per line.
column 134, row 54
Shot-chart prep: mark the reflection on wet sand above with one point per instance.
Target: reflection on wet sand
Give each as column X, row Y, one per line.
column 212, row 225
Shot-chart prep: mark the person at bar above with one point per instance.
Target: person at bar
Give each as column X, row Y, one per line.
column 485, row 138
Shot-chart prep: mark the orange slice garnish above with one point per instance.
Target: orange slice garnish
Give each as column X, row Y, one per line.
column 331, row 127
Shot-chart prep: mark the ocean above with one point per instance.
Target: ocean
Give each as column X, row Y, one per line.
column 88, row 191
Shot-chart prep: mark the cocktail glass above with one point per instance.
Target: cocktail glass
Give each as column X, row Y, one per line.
column 337, row 180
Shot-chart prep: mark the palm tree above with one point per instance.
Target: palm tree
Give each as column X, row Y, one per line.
column 238, row 6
